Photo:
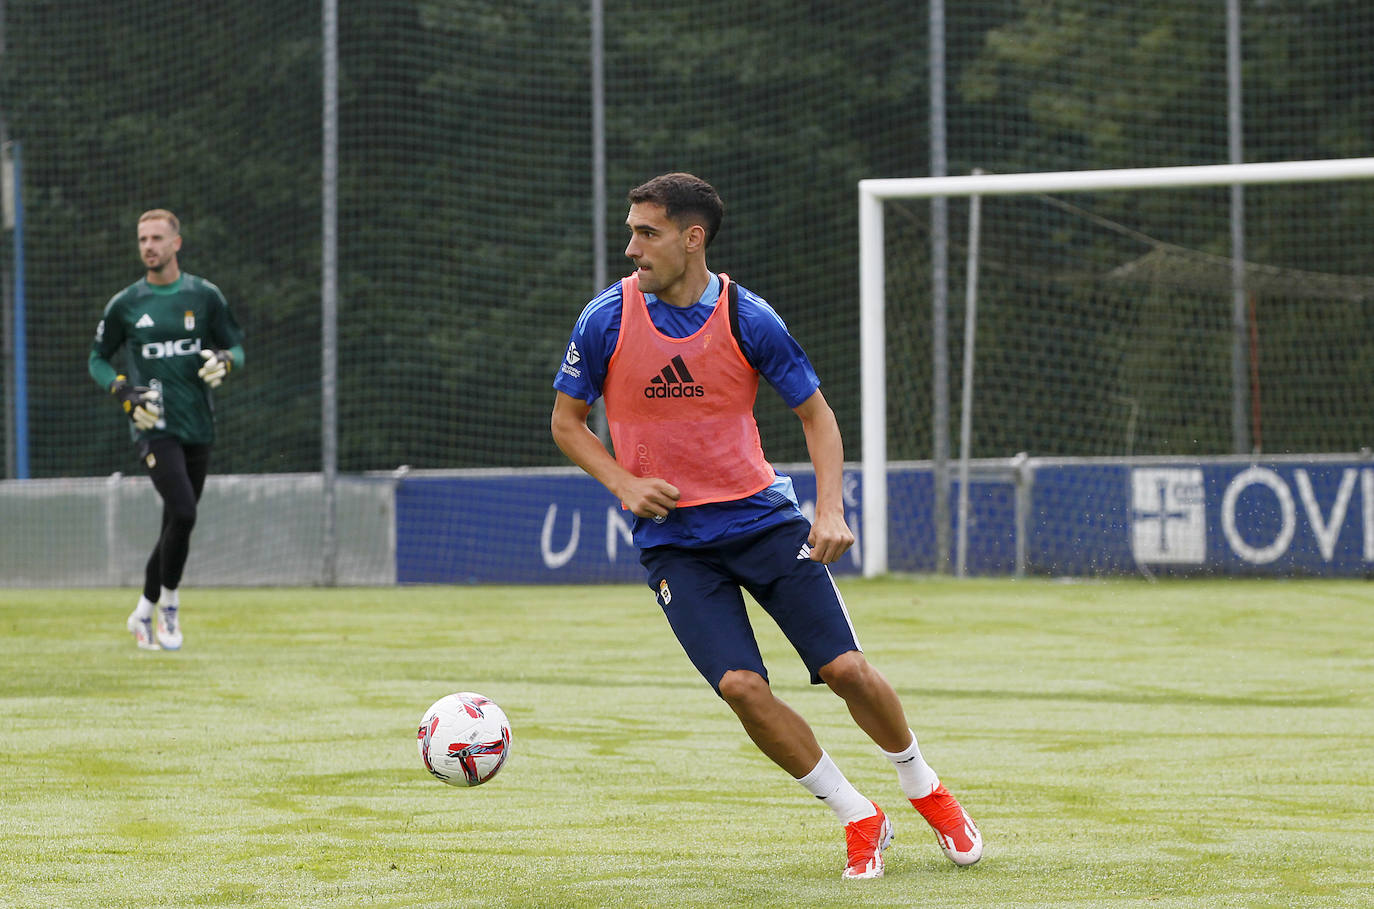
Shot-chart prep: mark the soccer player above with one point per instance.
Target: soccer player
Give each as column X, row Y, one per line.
column 178, row 340
column 677, row 351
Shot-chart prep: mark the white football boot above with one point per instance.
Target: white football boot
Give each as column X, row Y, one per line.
column 168, row 627
column 142, row 630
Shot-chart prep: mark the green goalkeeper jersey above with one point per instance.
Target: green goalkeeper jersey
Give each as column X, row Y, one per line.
column 161, row 330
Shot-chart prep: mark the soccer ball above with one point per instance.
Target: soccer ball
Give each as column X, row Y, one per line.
column 464, row 739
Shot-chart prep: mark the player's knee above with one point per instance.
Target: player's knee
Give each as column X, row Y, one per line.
column 183, row 515
column 742, row 688
column 847, row 672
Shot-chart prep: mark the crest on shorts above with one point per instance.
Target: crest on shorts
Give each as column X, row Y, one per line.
column 664, row 593
column 150, row 460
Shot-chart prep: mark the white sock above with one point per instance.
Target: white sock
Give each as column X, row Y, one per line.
column 827, row 783
column 144, row 609
column 169, row 597
column 914, row 774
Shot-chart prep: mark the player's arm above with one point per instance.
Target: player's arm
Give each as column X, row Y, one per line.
column 101, row 369
column 139, row 403
column 109, row 337
column 830, row 534
column 227, row 354
column 646, row 497
column 770, row 347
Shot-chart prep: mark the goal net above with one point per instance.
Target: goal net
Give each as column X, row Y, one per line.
column 1111, row 319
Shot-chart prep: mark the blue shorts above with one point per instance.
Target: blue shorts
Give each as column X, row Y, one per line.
column 699, row 589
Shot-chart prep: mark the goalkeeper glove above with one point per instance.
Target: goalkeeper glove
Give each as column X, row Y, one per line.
column 138, row 401
column 217, row 366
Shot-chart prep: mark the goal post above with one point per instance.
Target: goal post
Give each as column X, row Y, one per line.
column 873, row 193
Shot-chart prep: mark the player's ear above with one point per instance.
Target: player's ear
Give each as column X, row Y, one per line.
column 696, row 238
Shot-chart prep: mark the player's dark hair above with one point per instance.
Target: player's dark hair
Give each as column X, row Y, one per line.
column 686, row 200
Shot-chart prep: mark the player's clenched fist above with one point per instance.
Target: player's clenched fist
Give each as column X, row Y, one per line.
column 650, row 497
column 139, row 402
column 216, row 367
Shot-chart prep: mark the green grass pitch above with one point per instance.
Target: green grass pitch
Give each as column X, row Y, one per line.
column 1182, row 744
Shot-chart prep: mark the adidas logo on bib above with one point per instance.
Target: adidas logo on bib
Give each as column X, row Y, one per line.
column 674, row 381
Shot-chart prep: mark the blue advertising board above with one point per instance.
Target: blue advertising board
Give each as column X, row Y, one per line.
column 1288, row 517
column 1276, row 518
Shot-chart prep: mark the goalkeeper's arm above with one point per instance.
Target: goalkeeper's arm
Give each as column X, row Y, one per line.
column 218, row 364
column 138, row 401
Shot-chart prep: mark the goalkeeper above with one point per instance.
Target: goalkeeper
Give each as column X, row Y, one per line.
column 177, row 340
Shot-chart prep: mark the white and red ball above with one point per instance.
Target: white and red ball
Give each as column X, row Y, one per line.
column 464, row 739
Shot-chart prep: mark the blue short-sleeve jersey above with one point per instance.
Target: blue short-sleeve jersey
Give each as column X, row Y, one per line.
column 768, row 346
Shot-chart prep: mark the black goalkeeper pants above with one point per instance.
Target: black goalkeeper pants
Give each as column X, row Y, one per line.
column 178, row 473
